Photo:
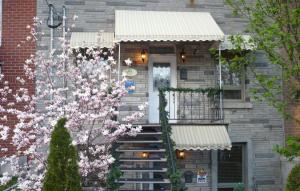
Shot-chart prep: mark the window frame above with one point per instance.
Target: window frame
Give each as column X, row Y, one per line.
column 241, row 87
column 244, row 169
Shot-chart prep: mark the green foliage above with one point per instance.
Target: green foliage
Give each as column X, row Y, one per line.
column 114, row 174
column 239, row 187
column 292, row 148
column 274, row 27
column 173, row 172
column 293, row 181
column 62, row 168
column 13, row 181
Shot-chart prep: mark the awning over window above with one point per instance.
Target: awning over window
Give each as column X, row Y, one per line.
column 166, row 26
column 246, row 45
column 200, row 137
column 92, row 39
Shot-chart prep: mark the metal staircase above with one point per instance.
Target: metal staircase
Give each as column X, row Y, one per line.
column 143, row 161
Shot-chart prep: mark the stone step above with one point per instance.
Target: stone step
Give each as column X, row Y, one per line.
column 143, row 169
column 144, row 181
column 141, row 150
column 150, row 133
column 144, row 190
column 143, row 159
column 140, row 141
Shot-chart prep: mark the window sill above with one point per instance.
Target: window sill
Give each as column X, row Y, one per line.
column 237, row 104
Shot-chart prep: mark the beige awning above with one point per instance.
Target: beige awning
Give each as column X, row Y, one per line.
column 165, row 26
column 201, row 137
column 92, row 39
column 247, row 43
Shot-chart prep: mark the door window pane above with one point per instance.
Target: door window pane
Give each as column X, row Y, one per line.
column 161, row 75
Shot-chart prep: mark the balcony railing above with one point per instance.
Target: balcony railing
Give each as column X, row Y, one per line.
column 193, row 105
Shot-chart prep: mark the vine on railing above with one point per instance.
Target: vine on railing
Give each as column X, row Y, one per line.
column 173, row 172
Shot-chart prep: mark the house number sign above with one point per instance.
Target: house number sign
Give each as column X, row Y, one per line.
column 201, row 176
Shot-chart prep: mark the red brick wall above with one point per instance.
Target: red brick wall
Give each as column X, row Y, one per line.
column 292, row 128
column 16, row 15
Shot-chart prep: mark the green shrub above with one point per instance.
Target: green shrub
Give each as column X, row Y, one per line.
column 62, row 170
column 13, row 181
column 239, row 187
column 293, row 180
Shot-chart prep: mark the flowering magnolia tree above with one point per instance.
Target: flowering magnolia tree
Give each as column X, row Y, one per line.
column 78, row 85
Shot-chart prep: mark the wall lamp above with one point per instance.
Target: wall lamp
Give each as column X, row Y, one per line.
column 145, row 155
column 180, row 154
column 143, row 55
column 182, row 55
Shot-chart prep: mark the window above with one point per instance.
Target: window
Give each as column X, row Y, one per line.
column 233, row 82
column 231, row 168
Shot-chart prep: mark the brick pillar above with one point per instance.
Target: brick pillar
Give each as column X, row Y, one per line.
column 16, row 15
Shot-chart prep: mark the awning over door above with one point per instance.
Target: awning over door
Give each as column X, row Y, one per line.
column 200, row 137
column 92, row 39
column 165, row 26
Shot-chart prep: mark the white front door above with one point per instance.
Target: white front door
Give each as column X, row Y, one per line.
column 162, row 73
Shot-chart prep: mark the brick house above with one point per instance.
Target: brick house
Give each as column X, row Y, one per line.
column 15, row 15
column 169, row 44
column 220, row 140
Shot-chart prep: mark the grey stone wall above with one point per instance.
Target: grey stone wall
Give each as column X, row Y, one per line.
column 251, row 122
column 193, row 161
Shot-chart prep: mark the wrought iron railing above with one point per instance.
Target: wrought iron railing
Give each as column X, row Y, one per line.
column 175, row 105
column 194, row 105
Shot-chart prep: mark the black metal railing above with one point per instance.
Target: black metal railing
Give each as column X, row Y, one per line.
column 194, row 105
column 185, row 105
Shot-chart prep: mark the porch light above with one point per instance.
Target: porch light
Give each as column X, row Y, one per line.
column 145, row 155
column 182, row 55
column 143, row 55
column 180, row 154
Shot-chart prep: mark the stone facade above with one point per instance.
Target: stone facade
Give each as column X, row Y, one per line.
column 254, row 123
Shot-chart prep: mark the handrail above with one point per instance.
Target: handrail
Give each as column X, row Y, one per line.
column 164, row 117
column 194, row 105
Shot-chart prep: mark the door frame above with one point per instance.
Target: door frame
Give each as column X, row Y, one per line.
column 161, row 58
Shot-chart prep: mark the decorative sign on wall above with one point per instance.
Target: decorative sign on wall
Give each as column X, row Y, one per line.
column 130, row 86
column 201, row 176
column 129, row 72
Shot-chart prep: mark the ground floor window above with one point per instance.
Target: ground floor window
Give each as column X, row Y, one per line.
column 231, row 167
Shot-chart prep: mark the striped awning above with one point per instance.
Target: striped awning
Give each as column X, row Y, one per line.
column 92, row 39
column 165, row 26
column 200, row 137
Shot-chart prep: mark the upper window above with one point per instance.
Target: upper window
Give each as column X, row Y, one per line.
column 233, row 82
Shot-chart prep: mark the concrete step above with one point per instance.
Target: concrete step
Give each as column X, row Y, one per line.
column 143, row 169
column 143, row 181
column 142, row 159
column 150, row 133
column 140, row 141
column 141, row 150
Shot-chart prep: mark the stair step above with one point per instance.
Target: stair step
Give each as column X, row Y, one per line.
column 140, row 141
column 151, row 125
column 144, row 190
column 143, row 181
column 141, row 150
column 143, row 169
column 142, row 159
column 150, row 133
